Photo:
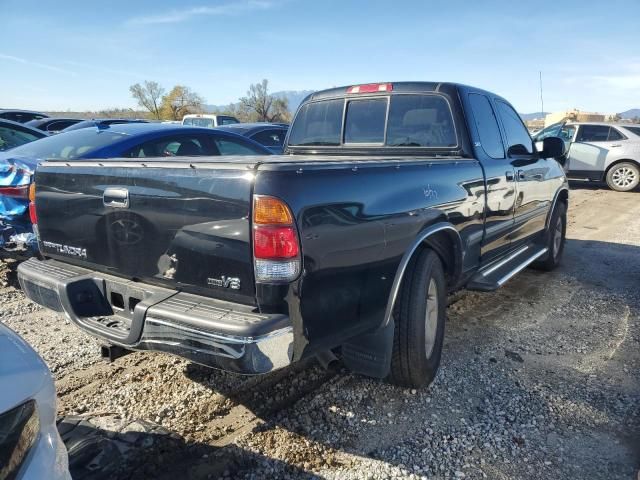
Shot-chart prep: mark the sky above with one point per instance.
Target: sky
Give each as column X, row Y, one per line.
column 84, row 55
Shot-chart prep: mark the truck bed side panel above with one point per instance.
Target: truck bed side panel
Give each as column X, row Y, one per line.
column 356, row 220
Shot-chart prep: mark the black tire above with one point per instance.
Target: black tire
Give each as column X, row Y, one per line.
column 623, row 177
column 411, row 363
column 557, row 226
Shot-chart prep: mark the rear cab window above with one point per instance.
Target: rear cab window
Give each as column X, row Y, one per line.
column 396, row 120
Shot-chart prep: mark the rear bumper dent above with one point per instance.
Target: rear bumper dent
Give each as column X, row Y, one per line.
column 209, row 332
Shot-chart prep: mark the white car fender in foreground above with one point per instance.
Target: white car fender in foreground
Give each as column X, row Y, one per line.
column 24, row 376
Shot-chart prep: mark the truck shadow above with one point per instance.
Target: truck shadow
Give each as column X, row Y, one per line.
column 110, row 448
column 533, row 349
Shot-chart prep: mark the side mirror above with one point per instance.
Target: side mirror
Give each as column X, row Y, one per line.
column 552, row 147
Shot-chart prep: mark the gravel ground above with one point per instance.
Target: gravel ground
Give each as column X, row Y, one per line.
column 538, row 380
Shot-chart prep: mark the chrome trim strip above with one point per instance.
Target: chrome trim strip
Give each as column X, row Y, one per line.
column 522, row 266
column 395, row 288
column 228, row 338
column 504, row 261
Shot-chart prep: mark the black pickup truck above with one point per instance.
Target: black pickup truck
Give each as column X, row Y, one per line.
column 388, row 197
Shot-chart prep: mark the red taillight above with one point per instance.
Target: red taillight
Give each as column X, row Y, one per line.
column 276, row 250
column 16, row 192
column 371, row 88
column 275, row 242
column 31, row 195
column 32, row 213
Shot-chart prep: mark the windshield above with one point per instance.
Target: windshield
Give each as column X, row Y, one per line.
column 69, row 145
column 550, row 131
column 396, row 121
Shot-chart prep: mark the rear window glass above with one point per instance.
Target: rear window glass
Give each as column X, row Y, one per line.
column 410, row 121
column 227, row 120
column 420, row 121
column 318, row 123
column 199, row 122
column 635, row 130
column 69, row 145
column 365, row 121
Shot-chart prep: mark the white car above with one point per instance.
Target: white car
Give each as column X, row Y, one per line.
column 208, row 121
column 601, row 152
column 30, row 446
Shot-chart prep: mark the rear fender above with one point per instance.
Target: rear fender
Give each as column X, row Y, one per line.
column 423, row 239
column 370, row 354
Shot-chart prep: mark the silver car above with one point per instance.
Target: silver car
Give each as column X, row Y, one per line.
column 600, row 152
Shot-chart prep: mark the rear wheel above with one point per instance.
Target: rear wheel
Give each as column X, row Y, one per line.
column 419, row 322
column 623, row 177
column 555, row 238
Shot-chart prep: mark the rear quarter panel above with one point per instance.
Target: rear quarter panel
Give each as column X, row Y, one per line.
column 356, row 220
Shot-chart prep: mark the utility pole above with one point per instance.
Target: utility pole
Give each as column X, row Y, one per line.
column 541, row 99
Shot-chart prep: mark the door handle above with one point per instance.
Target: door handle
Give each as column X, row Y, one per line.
column 116, row 197
column 509, row 175
column 521, row 175
column 614, row 146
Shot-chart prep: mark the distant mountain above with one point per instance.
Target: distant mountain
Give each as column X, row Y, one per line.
column 629, row 114
column 294, row 97
column 532, row 116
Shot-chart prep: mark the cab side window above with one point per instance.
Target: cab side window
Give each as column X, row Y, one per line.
column 270, row 138
column 487, row 125
column 593, row 133
column 518, row 139
column 228, row 146
column 615, row 135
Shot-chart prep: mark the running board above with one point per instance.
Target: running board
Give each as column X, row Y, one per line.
column 497, row 274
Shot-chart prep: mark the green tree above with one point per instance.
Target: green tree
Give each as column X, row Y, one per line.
column 179, row 102
column 260, row 106
column 148, row 96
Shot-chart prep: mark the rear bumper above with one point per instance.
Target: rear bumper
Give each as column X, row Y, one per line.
column 140, row 316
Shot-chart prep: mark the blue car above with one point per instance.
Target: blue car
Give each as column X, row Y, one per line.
column 271, row 135
column 131, row 140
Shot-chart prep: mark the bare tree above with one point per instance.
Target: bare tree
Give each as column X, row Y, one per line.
column 262, row 107
column 180, row 101
column 148, row 96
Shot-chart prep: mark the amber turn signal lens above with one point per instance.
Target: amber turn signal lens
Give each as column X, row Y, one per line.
column 32, row 192
column 270, row 211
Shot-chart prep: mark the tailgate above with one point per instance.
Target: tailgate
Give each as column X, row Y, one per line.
column 183, row 225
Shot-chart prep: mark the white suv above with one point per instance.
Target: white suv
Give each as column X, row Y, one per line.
column 599, row 152
column 209, row 121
